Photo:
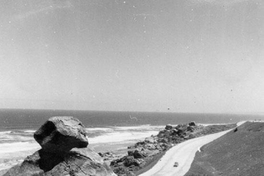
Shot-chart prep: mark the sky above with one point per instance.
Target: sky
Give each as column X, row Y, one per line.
column 203, row 56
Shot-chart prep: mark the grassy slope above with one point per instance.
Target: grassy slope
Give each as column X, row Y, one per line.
column 236, row 153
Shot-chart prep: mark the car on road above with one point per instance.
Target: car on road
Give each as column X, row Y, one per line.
column 176, row 164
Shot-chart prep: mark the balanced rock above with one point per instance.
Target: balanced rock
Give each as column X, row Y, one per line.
column 61, row 134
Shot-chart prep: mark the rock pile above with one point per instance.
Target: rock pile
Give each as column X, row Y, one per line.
column 64, row 151
column 61, row 134
column 142, row 152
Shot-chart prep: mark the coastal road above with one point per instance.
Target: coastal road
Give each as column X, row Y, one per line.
column 182, row 153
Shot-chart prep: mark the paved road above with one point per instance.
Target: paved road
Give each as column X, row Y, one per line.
column 182, row 153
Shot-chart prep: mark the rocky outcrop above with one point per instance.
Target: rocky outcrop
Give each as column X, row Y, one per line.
column 168, row 127
column 61, row 134
column 192, row 124
column 64, row 152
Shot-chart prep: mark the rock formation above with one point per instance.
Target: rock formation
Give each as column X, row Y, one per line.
column 64, row 152
column 61, row 134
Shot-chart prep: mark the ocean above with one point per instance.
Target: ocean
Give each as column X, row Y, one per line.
column 116, row 129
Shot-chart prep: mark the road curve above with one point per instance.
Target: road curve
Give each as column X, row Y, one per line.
column 182, row 153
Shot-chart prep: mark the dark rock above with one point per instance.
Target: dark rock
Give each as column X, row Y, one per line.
column 174, row 132
column 150, row 140
column 129, row 161
column 150, row 146
column 79, row 162
column 164, row 133
column 190, row 128
column 163, row 140
column 61, row 134
column 192, row 124
column 180, row 131
column 168, row 127
column 137, row 154
column 165, row 146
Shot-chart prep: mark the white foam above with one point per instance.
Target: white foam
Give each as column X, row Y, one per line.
column 7, row 148
column 121, row 137
column 14, row 138
column 99, row 129
column 4, row 132
column 208, row 124
column 133, row 127
column 140, row 127
column 29, row 131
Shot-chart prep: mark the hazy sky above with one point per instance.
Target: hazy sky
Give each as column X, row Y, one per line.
column 133, row 55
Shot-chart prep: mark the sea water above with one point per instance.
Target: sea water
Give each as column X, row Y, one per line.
column 106, row 130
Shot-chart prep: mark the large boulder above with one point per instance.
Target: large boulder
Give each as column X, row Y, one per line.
column 168, row 127
column 61, row 134
column 79, row 162
column 192, row 123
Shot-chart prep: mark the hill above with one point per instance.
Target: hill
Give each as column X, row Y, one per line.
column 239, row 152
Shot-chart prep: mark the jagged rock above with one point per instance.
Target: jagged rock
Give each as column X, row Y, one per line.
column 174, row 132
column 180, row 131
column 190, row 128
column 150, row 146
column 130, row 160
column 61, row 134
column 136, row 154
column 164, row 133
column 163, row 140
column 150, row 140
column 168, row 127
column 79, row 162
column 109, row 156
column 192, row 124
